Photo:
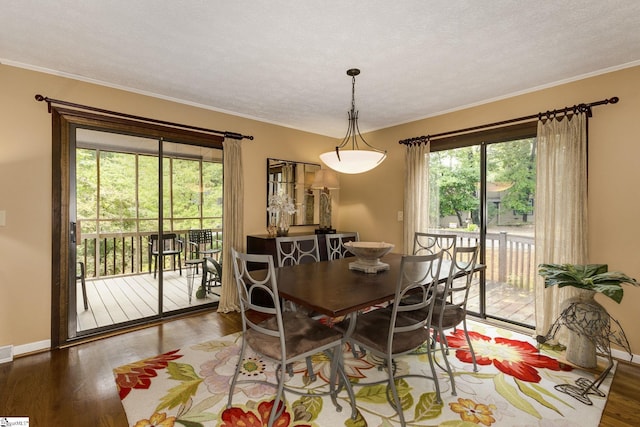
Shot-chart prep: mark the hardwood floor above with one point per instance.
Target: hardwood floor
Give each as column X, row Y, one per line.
column 75, row 386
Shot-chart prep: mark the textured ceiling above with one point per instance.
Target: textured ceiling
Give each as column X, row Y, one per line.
column 285, row 62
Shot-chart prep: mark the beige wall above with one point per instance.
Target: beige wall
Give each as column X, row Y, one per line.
column 25, row 181
column 368, row 203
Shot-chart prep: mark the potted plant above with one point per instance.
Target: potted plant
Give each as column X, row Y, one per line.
column 590, row 279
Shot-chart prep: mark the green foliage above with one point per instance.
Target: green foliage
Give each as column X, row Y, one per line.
column 515, row 162
column 455, row 179
column 456, row 173
column 118, row 193
column 592, row 277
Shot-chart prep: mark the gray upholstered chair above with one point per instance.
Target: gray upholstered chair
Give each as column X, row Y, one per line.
column 335, row 244
column 284, row 338
column 402, row 328
column 450, row 309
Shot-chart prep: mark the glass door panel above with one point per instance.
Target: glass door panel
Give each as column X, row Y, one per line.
column 192, row 207
column 509, row 242
column 454, row 180
column 489, row 190
column 115, row 199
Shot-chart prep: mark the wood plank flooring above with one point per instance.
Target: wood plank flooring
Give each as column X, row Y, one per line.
column 75, row 386
column 121, row 299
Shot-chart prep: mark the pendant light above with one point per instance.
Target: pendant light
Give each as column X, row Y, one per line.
column 348, row 157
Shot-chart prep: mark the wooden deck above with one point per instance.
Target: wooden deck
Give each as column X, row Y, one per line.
column 120, row 299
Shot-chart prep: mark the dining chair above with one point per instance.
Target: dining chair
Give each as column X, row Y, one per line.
column 430, row 243
column 404, row 328
column 335, row 244
column 294, row 250
column 171, row 246
column 284, row 338
column 450, row 310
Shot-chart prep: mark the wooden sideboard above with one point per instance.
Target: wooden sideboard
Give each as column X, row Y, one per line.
column 264, row 244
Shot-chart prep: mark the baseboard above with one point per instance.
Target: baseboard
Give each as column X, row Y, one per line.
column 32, row 347
column 623, row 355
column 6, row 354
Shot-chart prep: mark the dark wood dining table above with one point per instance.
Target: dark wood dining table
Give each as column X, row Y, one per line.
column 332, row 289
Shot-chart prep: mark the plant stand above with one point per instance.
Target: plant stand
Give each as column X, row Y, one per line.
column 591, row 331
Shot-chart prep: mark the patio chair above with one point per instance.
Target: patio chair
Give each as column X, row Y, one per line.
column 284, row 338
column 335, row 244
column 390, row 333
column 200, row 244
column 212, row 274
column 80, row 275
column 171, row 246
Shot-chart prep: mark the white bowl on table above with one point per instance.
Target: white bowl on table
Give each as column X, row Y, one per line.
column 368, row 255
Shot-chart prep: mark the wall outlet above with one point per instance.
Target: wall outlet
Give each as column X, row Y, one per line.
column 400, row 215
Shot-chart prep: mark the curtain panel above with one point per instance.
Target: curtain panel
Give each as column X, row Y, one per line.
column 232, row 221
column 561, row 209
column 416, row 192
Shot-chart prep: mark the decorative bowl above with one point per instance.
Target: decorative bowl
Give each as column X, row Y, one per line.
column 369, row 254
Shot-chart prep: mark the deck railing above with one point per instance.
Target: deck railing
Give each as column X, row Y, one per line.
column 509, row 257
column 116, row 254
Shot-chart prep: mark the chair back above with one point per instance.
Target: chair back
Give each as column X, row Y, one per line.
column 415, row 295
column 431, row 243
column 200, row 240
column 460, row 275
column 257, row 291
column 294, row 250
column 170, row 243
column 335, row 244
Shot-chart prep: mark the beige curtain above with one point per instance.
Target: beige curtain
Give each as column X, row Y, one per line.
column 561, row 209
column 232, row 221
column 416, row 192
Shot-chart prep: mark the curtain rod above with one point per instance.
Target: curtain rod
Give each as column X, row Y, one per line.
column 579, row 108
column 227, row 134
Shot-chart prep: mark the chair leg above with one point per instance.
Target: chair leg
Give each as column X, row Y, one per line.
column 155, row 266
column 235, row 374
column 473, row 354
column 394, row 391
column 445, row 349
column 312, row 375
column 84, row 286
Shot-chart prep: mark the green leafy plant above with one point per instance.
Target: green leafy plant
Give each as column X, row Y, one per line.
column 591, row 277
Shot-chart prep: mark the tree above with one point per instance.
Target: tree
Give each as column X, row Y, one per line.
column 515, row 162
column 456, row 174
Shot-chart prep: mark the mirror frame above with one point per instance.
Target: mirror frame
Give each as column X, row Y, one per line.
column 307, row 167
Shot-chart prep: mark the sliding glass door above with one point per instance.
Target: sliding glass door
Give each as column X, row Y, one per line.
column 484, row 193
column 135, row 201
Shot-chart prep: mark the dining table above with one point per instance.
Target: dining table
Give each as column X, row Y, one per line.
column 332, row 289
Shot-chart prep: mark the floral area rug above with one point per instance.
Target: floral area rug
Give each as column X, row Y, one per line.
column 515, row 386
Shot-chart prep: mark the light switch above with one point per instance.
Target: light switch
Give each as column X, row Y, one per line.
column 3, row 218
column 400, row 215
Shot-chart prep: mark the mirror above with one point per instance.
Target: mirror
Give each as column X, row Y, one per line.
column 294, row 179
